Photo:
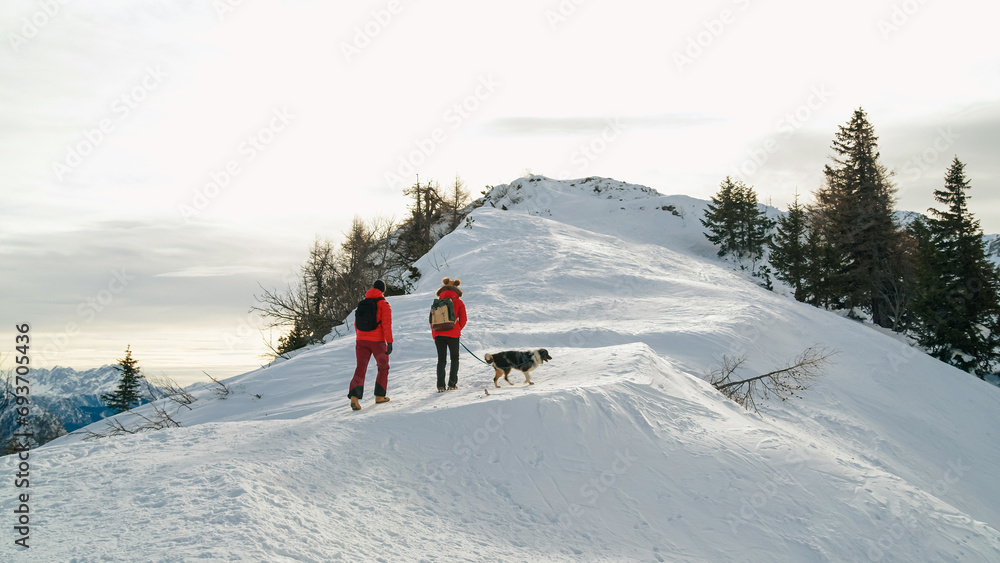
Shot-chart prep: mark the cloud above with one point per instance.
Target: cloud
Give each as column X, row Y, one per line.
column 591, row 125
column 108, row 284
column 922, row 150
column 65, row 266
column 216, row 271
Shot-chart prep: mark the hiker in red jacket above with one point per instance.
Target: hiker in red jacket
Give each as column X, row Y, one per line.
column 447, row 340
column 375, row 314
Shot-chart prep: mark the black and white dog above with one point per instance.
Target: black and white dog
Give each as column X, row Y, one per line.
column 524, row 362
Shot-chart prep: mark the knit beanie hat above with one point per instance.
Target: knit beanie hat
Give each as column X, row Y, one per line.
column 379, row 285
column 448, row 283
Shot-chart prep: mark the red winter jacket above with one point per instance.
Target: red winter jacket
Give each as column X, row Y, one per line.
column 384, row 331
column 460, row 317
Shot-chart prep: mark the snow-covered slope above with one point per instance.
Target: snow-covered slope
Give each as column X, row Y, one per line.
column 619, row 452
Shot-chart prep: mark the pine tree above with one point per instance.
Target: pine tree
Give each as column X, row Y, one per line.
column 297, row 337
column 826, row 277
column 754, row 225
column 957, row 302
column 735, row 222
column 126, row 394
column 788, row 248
column 824, row 281
column 854, row 216
column 900, row 277
column 721, row 218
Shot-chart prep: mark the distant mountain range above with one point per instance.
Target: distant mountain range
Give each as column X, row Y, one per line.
column 62, row 401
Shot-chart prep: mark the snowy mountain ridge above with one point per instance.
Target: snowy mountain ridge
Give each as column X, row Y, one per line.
column 74, row 397
column 66, row 382
column 620, row 451
column 63, row 399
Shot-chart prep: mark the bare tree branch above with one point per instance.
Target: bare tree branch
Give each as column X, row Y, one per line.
column 222, row 391
column 159, row 420
column 171, row 390
column 782, row 383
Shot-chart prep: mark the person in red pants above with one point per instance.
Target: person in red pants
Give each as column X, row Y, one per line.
column 373, row 326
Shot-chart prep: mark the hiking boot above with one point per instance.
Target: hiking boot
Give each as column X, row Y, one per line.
column 355, row 405
column 453, row 388
column 440, row 389
column 381, row 400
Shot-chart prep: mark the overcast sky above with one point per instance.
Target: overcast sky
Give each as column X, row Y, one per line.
column 160, row 159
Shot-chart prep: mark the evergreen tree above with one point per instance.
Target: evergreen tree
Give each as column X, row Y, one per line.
column 826, row 277
column 854, row 214
column 900, row 278
column 722, row 218
column 126, row 394
column 297, row 337
column 754, row 225
column 788, row 248
column 823, row 281
column 957, row 302
column 735, row 222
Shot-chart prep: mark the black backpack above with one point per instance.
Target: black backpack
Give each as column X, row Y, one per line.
column 366, row 317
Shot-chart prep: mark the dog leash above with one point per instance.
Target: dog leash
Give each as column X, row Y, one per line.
column 473, row 353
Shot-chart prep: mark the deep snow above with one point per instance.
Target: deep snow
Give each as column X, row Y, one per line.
column 619, row 452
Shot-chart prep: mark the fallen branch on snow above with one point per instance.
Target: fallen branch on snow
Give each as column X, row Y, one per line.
column 782, row 383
